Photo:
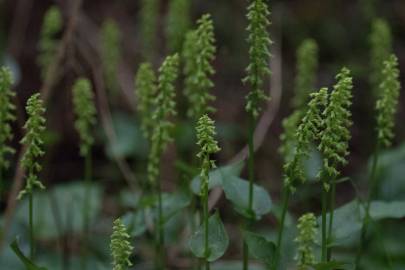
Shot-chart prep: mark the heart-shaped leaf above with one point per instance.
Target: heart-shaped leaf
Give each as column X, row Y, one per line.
column 218, row 240
column 217, row 176
column 260, row 248
column 29, row 265
column 237, row 191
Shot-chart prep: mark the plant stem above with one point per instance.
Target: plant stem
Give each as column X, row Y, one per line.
column 205, row 213
column 286, row 199
column 332, row 197
column 324, row 225
column 86, row 206
column 366, row 220
column 161, row 238
column 251, row 170
column 31, row 223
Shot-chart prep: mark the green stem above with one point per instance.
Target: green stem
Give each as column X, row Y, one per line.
column 332, row 197
column 31, row 223
column 366, row 220
column 86, row 205
column 251, row 170
column 324, row 225
column 161, row 238
column 286, row 199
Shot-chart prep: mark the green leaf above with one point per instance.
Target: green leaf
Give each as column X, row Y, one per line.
column 217, row 176
column 381, row 210
column 135, row 223
column 173, row 203
column 260, row 248
column 332, row 265
column 58, row 211
column 237, row 191
column 29, row 265
column 218, row 240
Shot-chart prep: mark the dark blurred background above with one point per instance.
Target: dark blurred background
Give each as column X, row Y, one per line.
column 341, row 29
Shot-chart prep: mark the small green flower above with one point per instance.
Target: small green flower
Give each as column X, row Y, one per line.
column 110, row 52
column 145, row 86
column 381, row 48
column 120, row 246
column 306, row 238
column 387, row 104
column 7, row 110
column 337, row 117
column 165, row 105
column 307, row 132
column 33, row 140
column 208, row 145
column 177, row 23
column 51, row 26
column 85, row 111
column 259, row 54
column 307, row 64
column 149, row 26
column 198, row 53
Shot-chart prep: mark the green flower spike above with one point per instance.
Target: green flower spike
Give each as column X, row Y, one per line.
column 110, row 52
column 120, row 246
column 6, row 116
column 337, row 117
column 149, row 27
column 33, row 140
column 198, row 53
column 85, row 111
column 387, row 105
column 208, row 145
column 307, row 63
column 165, row 109
column 306, row 238
column 307, row 132
column 145, row 86
column 51, row 26
column 381, row 48
column 259, row 54
column 178, row 23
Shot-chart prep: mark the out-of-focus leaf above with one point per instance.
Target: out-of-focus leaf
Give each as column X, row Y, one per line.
column 332, row 265
column 381, row 210
column 260, row 248
column 313, row 164
column 29, row 265
column 218, row 240
column 129, row 140
column 135, row 223
column 129, row 199
column 173, row 203
column 235, row 265
column 217, row 176
column 237, row 191
column 60, row 210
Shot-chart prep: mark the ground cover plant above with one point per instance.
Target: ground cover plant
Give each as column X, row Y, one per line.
column 122, row 159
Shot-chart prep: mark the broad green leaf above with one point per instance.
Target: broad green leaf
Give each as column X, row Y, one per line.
column 332, row 265
column 135, row 222
column 237, row 191
column 129, row 199
column 129, row 139
column 235, row 265
column 59, row 210
column 217, row 176
column 29, row 265
column 381, row 210
column 260, row 248
column 218, row 240
column 173, row 203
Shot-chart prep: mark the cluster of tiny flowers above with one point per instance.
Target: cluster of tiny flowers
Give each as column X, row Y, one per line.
column 120, row 246
column 337, row 117
column 388, row 102
column 208, row 145
column 259, row 54
column 6, row 115
column 33, row 140
column 165, row 107
column 198, row 53
column 306, row 237
column 308, row 132
column 85, row 111
column 47, row 44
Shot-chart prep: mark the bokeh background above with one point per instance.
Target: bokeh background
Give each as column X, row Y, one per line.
column 341, row 29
